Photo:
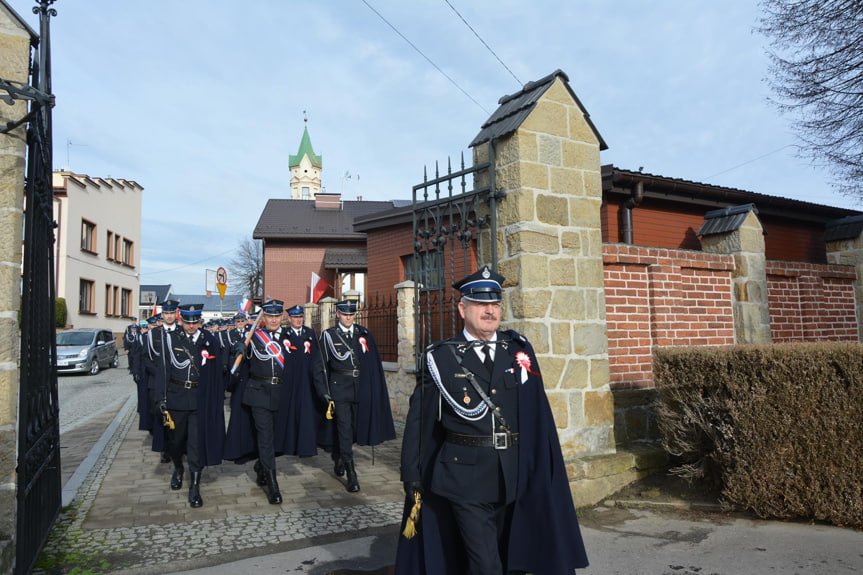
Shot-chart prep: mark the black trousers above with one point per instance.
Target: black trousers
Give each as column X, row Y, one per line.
column 484, row 529
column 265, row 427
column 184, row 437
column 346, row 418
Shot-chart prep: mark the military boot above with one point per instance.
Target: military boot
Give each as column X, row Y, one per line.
column 273, row 494
column 353, row 484
column 177, row 477
column 338, row 466
column 260, row 474
column 195, row 490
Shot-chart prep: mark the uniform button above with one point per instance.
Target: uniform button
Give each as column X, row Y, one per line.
column 455, row 458
column 497, row 409
column 493, row 391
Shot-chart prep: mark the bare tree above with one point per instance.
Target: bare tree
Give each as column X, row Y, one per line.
column 816, row 74
column 248, row 266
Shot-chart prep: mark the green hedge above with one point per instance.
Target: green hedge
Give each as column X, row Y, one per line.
column 60, row 311
column 778, row 427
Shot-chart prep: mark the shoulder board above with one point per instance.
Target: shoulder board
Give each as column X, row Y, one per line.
column 516, row 337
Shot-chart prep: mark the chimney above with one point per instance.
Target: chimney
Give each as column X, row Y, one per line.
column 359, row 198
column 328, row 201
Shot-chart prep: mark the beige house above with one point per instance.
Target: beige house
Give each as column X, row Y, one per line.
column 98, row 249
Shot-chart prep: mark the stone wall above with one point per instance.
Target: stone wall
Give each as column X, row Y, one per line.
column 14, row 61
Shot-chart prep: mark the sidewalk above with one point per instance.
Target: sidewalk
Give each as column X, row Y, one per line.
column 125, row 519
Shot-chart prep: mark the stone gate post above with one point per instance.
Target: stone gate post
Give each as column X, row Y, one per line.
column 14, row 65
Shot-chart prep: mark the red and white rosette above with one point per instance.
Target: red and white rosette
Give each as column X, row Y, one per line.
column 523, row 361
column 205, row 355
column 308, row 346
column 287, row 344
column 365, row 344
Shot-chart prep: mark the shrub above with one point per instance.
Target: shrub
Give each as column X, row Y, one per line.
column 778, row 427
column 60, row 312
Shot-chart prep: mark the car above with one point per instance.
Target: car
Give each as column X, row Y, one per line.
column 86, row 350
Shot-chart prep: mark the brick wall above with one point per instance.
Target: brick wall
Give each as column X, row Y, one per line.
column 298, row 260
column 811, row 302
column 662, row 297
column 385, row 248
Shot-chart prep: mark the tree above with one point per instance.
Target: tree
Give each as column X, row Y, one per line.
column 816, row 74
column 247, row 266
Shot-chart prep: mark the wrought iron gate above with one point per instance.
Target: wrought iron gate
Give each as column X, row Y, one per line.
column 448, row 243
column 39, row 483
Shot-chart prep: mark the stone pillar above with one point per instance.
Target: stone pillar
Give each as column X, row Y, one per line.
column 401, row 384
column 328, row 314
column 14, row 62
column 849, row 252
column 749, row 278
column 550, row 251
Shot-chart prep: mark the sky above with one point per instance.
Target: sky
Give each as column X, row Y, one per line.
column 202, row 101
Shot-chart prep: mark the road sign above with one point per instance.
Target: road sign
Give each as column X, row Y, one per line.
column 221, row 281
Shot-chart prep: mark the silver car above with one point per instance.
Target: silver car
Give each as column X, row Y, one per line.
column 86, row 350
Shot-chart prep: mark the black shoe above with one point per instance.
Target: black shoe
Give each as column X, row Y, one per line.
column 338, row 466
column 261, row 478
column 353, row 485
column 195, row 490
column 177, row 478
column 165, row 457
column 273, row 494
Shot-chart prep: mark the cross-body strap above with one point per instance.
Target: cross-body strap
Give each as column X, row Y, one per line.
column 476, row 386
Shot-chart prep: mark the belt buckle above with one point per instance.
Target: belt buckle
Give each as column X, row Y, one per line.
column 188, row 384
column 275, row 381
column 355, row 373
column 501, row 441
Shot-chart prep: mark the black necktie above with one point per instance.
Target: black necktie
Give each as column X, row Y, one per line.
column 488, row 362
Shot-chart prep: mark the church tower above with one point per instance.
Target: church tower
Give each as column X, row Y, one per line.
column 305, row 170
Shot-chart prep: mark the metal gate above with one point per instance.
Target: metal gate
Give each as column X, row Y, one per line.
column 447, row 220
column 39, row 483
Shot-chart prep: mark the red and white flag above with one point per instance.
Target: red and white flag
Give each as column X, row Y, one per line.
column 319, row 286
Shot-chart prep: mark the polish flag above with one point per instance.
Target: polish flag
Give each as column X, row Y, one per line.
column 319, row 286
column 244, row 305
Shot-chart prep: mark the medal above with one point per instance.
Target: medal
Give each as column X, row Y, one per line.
column 466, row 397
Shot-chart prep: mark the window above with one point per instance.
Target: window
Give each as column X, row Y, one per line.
column 305, row 193
column 426, row 269
column 85, row 297
column 109, row 245
column 128, row 252
column 126, row 303
column 115, row 300
column 88, row 236
column 108, row 304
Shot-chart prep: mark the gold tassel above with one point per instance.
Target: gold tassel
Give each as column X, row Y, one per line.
column 414, row 517
column 331, row 409
column 169, row 423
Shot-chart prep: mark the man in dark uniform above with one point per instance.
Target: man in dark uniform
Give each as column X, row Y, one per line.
column 161, row 325
column 136, row 365
column 193, row 397
column 351, row 376
column 129, row 337
column 298, row 431
column 267, row 355
column 481, row 448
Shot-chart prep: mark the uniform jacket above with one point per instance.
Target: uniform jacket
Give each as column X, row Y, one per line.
column 374, row 415
column 297, row 431
column 545, row 538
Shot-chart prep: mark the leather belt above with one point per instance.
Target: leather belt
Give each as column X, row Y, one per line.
column 185, row 383
column 351, row 372
column 270, row 380
column 498, row 440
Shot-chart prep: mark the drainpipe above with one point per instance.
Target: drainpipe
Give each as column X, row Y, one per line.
column 626, row 214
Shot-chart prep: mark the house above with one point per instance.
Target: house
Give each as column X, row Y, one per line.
column 312, row 236
column 97, row 248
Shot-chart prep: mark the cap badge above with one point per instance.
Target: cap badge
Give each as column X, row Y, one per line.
column 485, row 273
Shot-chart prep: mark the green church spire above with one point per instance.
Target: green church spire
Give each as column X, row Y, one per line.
column 305, row 149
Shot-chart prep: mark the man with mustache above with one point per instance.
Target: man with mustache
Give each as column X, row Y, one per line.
column 481, row 450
